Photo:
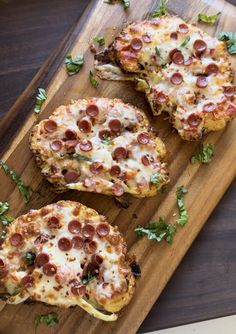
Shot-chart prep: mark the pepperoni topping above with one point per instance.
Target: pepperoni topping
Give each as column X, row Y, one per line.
column 86, row 145
column 183, row 28
column 147, row 38
column 143, row 138
column 64, row 244
column 71, row 176
column 49, row 269
column 27, row 281
column 41, row 259
column 118, row 189
column 50, row 126
column 200, row 46
column 201, row 82
column 53, row 222
column 172, row 52
column 2, row 263
column 70, row 144
column 174, row 35
column 56, row 145
column 176, row 78
column 145, row 160
column 84, row 126
column 178, row 58
column 115, row 170
column 136, row 44
column 104, row 134
column 212, row 69
column 209, row 107
column 74, row 226
column 16, row 239
column 88, row 231
column 229, row 91
column 194, row 120
column 96, row 168
column 115, row 125
column 78, row 290
column 103, row 230
column 90, row 247
column 92, row 110
column 231, row 110
column 120, row 153
column 70, row 134
column 161, row 97
column 77, row 242
column 97, row 259
column 188, row 61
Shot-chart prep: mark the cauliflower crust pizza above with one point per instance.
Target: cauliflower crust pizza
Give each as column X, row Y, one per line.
column 66, row 254
column 100, row 145
column 182, row 70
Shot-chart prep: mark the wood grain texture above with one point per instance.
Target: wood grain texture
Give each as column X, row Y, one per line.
column 157, row 261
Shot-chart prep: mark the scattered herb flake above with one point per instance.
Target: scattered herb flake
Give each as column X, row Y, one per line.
column 73, row 65
column 204, row 155
column 185, row 42
column 161, row 11
column 100, row 40
column 92, row 79
column 29, row 258
column 86, row 279
column 6, row 220
column 158, row 179
column 158, row 53
column 230, row 39
column 4, row 207
column 126, row 3
column 75, row 156
column 50, row 319
column 40, row 99
column 183, row 215
column 208, row 19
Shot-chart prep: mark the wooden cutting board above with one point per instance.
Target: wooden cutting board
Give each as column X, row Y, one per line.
column 206, row 184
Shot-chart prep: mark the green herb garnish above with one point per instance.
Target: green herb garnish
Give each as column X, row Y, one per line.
column 158, row 231
column 73, row 65
column 23, row 188
column 183, row 215
column 230, row 39
column 161, row 11
column 185, row 42
column 158, row 53
column 158, row 179
column 40, row 99
column 29, row 258
column 205, row 154
column 50, row 319
column 86, row 279
column 4, row 207
column 92, row 79
column 75, row 156
column 107, row 140
column 6, row 220
column 100, row 40
column 208, row 19
column 126, row 3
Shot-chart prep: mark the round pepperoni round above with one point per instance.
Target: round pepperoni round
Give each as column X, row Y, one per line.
column 71, row 176
column 143, row 138
column 86, row 145
column 84, row 126
column 161, row 97
column 90, row 247
column 194, row 120
column 103, row 230
column 209, row 107
column 16, row 239
column 174, row 35
column 56, row 145
column 115, row 125
column 27, row 281
column 229, row 91
column 212, row 69
column 176, row 78
column 96, row 168
column 115, row 170
column 41, row 259
column 97, row 259
column 53, row 222
column 178, row 58
column 117, row 189
column 120, row 153
column 136, row 44
column 147, row 38
column 199, row 45
column 183, row 28
column 49, row 269
column 88, row 231
column 77, row 242
column 70, row 134
column 172, row 52
column 201, row 82
column 50, row 126
column 64, row 244
column 92, row 110
column 74, row 226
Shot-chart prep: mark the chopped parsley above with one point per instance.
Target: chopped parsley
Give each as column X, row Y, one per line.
column 29, row 258
column 204, row 155
column 208, row 19
column 75, row 156
column 230, row 39
column 158, row 179
column 183, row 214
column 40, row 99
column 107, row 139
column 4, row 207
column 5, row 220
column 161, row 11
column 89, row 277
column 49, row 319
column 100, row 40
column 158, row 231
column 185, row 42
column 73, row 65
column 92, row 79
column 23, row 188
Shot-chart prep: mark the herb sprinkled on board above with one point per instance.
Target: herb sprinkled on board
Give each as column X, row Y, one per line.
column 161, row 11
column 40, row 99
column 183, row 214
column 230, row 39
column 73, row 65
column 204, row 155
column 210, row 19
column 92, row 79
column 100, row 40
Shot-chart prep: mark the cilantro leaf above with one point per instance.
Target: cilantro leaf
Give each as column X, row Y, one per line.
column 158, row 179
column 92, row 79
column 100, row 40
column 4, row 207
column 73, row 65
column 6, row 220
column 29, row 257
column 185, row 42
column 49, row 319
column 161, row 11
column 126, row 3
column 208, row 19
column 230, row 39
column 183, row 214
column 40, row 99
column 204, row 155
column 75, row 156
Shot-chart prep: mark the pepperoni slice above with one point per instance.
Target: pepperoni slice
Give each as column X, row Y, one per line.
column 174, row 35
column 212, row 69
column 84, row 126
column 194, row 120
column 49, row 269
column 41, row 259
column 77, row 242
column 96, row 168
column 231, row 110
column 92, row 110
column 78, row 290
column 90, row 247
column 53, row 222
column 147, row 38
column 172, row 52
column 104, row 134
column 178, row 58
column 115, row 170
column 88, row 231
column 97, row 259
column 74, row 226
column 229, row 91
column 70, row 134
column 27, row 281
column 115, row 125
column 161, row 97
column 64, row 244
column 103, row 230
column 176, row 78
column 120, row 153
column 16, row 239
column 136, row 44
column 209, row 107
column 200, row 46
column 71, row 176
column 183, row 28
column 188, row 61
column 145, row 160
column 50, row 126
column 143, row 138
column 86, row 145
column 56, row 145
column 118, row 189
column 201, row 82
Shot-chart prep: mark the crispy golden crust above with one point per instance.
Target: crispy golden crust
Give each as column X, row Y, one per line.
column 125, row 160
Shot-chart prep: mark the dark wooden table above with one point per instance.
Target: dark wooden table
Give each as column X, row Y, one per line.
column 203, row 286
